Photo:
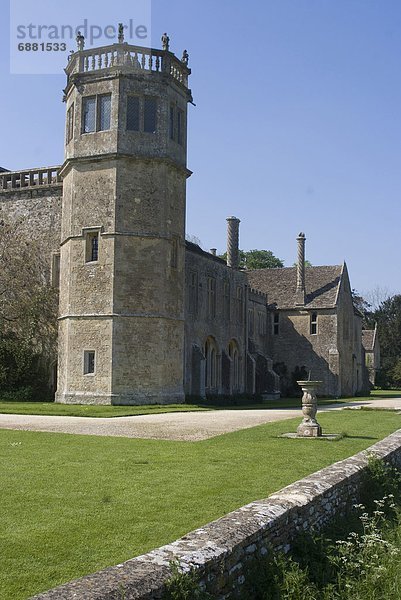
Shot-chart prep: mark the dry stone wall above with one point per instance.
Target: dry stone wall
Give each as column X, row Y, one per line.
column 220, row 550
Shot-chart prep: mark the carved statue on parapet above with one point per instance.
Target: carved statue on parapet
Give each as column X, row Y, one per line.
column 165, row 42
column 185, row 57
column 120, row 33
column 80, row 41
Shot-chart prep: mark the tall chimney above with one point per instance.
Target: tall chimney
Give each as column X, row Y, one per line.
column 300, row 291
column 233, row 242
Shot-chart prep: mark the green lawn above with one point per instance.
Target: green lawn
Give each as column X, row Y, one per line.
column 74, row 504
column 386, row 393
column 79, row 410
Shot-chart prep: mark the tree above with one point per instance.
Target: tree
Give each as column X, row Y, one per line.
column 376, row 296
column 388, row 319
column 363, row 307
column 257, row 259
column 28, row 310
column 307, row 263
column 396, row 373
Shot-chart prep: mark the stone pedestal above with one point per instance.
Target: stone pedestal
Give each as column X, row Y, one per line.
column 309, row 426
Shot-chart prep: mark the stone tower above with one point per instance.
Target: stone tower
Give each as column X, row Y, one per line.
column 121, row 323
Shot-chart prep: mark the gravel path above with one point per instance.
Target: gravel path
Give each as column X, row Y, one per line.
column 185, row 426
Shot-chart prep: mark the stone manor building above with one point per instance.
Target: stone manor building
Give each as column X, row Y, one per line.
column 146, row 316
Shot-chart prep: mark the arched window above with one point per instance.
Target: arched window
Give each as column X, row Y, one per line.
column 211, row 372
column 234, row 356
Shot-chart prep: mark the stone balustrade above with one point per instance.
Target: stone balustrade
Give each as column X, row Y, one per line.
column 125, row 55
column 15, row 180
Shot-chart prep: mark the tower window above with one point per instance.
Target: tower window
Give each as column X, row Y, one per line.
column 133, row 113
column 313, row 323
column 89, row 114
column 92, row 246
column 104, row 112
column 276, row 324
column 96, row 113
column 176, row 128
column 89, row 362
column 70, row 124
column 150, row 115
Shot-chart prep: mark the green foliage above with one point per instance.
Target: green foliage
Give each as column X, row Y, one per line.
column 307, row 263
column 23, row 373
column 19, row 402
column 28, row 311
column 184, row 585
column 396, row 372
column 257, row 259
column 79, row 491
column 288, row 381
column 388, row 318
column 362, row 563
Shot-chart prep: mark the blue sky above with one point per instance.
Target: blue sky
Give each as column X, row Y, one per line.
column 296, row 126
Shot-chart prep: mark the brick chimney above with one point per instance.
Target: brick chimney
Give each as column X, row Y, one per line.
column 300, row 291
column 233, row 242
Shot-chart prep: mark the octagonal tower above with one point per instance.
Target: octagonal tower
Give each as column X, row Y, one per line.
column 121, row 322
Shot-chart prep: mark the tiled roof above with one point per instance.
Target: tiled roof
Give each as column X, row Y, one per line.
column 322, row 284
column 368, row 339
column 198, row 250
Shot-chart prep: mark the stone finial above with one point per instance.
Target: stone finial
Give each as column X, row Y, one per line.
column 233, row 242
column 120, row 33
column 185, row 57
column 80, row 41
column 300, row 291
column 165, row 42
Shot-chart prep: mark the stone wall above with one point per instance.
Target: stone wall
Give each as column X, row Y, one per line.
column 295, row 346
column 220, row 549
column 37, row 210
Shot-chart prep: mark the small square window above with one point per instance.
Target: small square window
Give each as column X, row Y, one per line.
column 89, row 362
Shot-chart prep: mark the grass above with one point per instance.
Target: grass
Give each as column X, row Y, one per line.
column 74, row 504
column 80, row 410
column 357, row 557
column 386, row 393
